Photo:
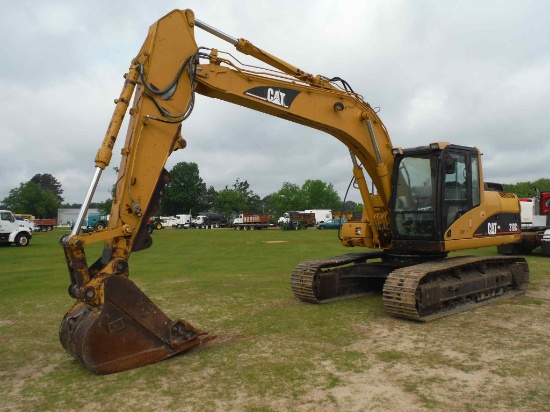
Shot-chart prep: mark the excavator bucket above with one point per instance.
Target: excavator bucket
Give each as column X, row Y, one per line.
column 126, row 331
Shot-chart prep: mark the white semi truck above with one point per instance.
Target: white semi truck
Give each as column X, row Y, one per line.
column 182, row 221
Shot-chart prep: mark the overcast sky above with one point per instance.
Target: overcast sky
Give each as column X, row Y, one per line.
column 474, row 73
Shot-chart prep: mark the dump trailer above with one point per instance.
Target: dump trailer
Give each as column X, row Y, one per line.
column 44, row 224
column 251, row 221
column 295, row 220
column 298, row 220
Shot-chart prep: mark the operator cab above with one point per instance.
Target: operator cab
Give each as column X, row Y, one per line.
column 432, row 187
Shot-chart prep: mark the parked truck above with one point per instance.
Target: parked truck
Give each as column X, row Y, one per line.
column 36, row 224
column 93, row 222
column 24, row 216
column 44, row 224
column 168, row 221
column 251, row 221
column 296, row 220
column 535, row 226
column 14, row 231
column 321, row 215
column 27, row 218
column 209, row 220
column 335, row 223
column 181, row 221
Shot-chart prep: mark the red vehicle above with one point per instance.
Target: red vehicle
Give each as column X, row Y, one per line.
column 44, row 224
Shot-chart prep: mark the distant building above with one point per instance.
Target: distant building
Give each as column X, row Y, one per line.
column 66, row 216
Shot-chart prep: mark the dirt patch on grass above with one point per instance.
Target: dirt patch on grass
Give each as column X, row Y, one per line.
column 492, row 358
column 540, row 294
column 360, row 391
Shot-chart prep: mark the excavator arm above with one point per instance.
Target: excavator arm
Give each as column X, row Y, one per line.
column 113, row 325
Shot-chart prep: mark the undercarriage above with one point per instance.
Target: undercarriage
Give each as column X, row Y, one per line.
column 419, row 290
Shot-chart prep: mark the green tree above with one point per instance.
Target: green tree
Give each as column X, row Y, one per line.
column 267, row 204
column 32, row 198
column 348, row 206
column 314, row 194
column 320, row 195
column 104, row 208
column 528, row 189
column 186, row 192
column 71, row 205
column 253, row 201
column 237, row 199
column 230, row 201
column 47, row 181
column 208, row 198
column 288, row 197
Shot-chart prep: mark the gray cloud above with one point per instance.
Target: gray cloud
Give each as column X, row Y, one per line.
column 473, row 73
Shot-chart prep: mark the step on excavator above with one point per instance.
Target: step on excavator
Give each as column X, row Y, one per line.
column 428, row 201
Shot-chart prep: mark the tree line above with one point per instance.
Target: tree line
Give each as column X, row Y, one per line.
column 528, row 189
column 187, row 192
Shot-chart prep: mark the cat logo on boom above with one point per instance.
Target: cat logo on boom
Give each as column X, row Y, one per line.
column 282, row 97
column 276, row 97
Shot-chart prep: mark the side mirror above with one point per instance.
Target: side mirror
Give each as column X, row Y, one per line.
column 450, row 165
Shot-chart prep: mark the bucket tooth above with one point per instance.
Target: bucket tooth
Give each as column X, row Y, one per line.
column 127, row 331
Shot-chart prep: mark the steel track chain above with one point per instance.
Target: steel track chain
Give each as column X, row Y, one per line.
column 399, row 293
column 303, row 277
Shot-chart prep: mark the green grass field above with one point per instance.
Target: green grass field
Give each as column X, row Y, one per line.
column 272, row 352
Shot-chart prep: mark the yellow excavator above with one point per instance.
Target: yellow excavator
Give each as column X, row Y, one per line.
column 429, row 201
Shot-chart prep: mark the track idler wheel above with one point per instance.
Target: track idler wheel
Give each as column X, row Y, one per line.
column 127, row 331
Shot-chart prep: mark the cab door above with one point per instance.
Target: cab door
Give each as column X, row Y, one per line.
column 7, row 222
column 460, row 185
